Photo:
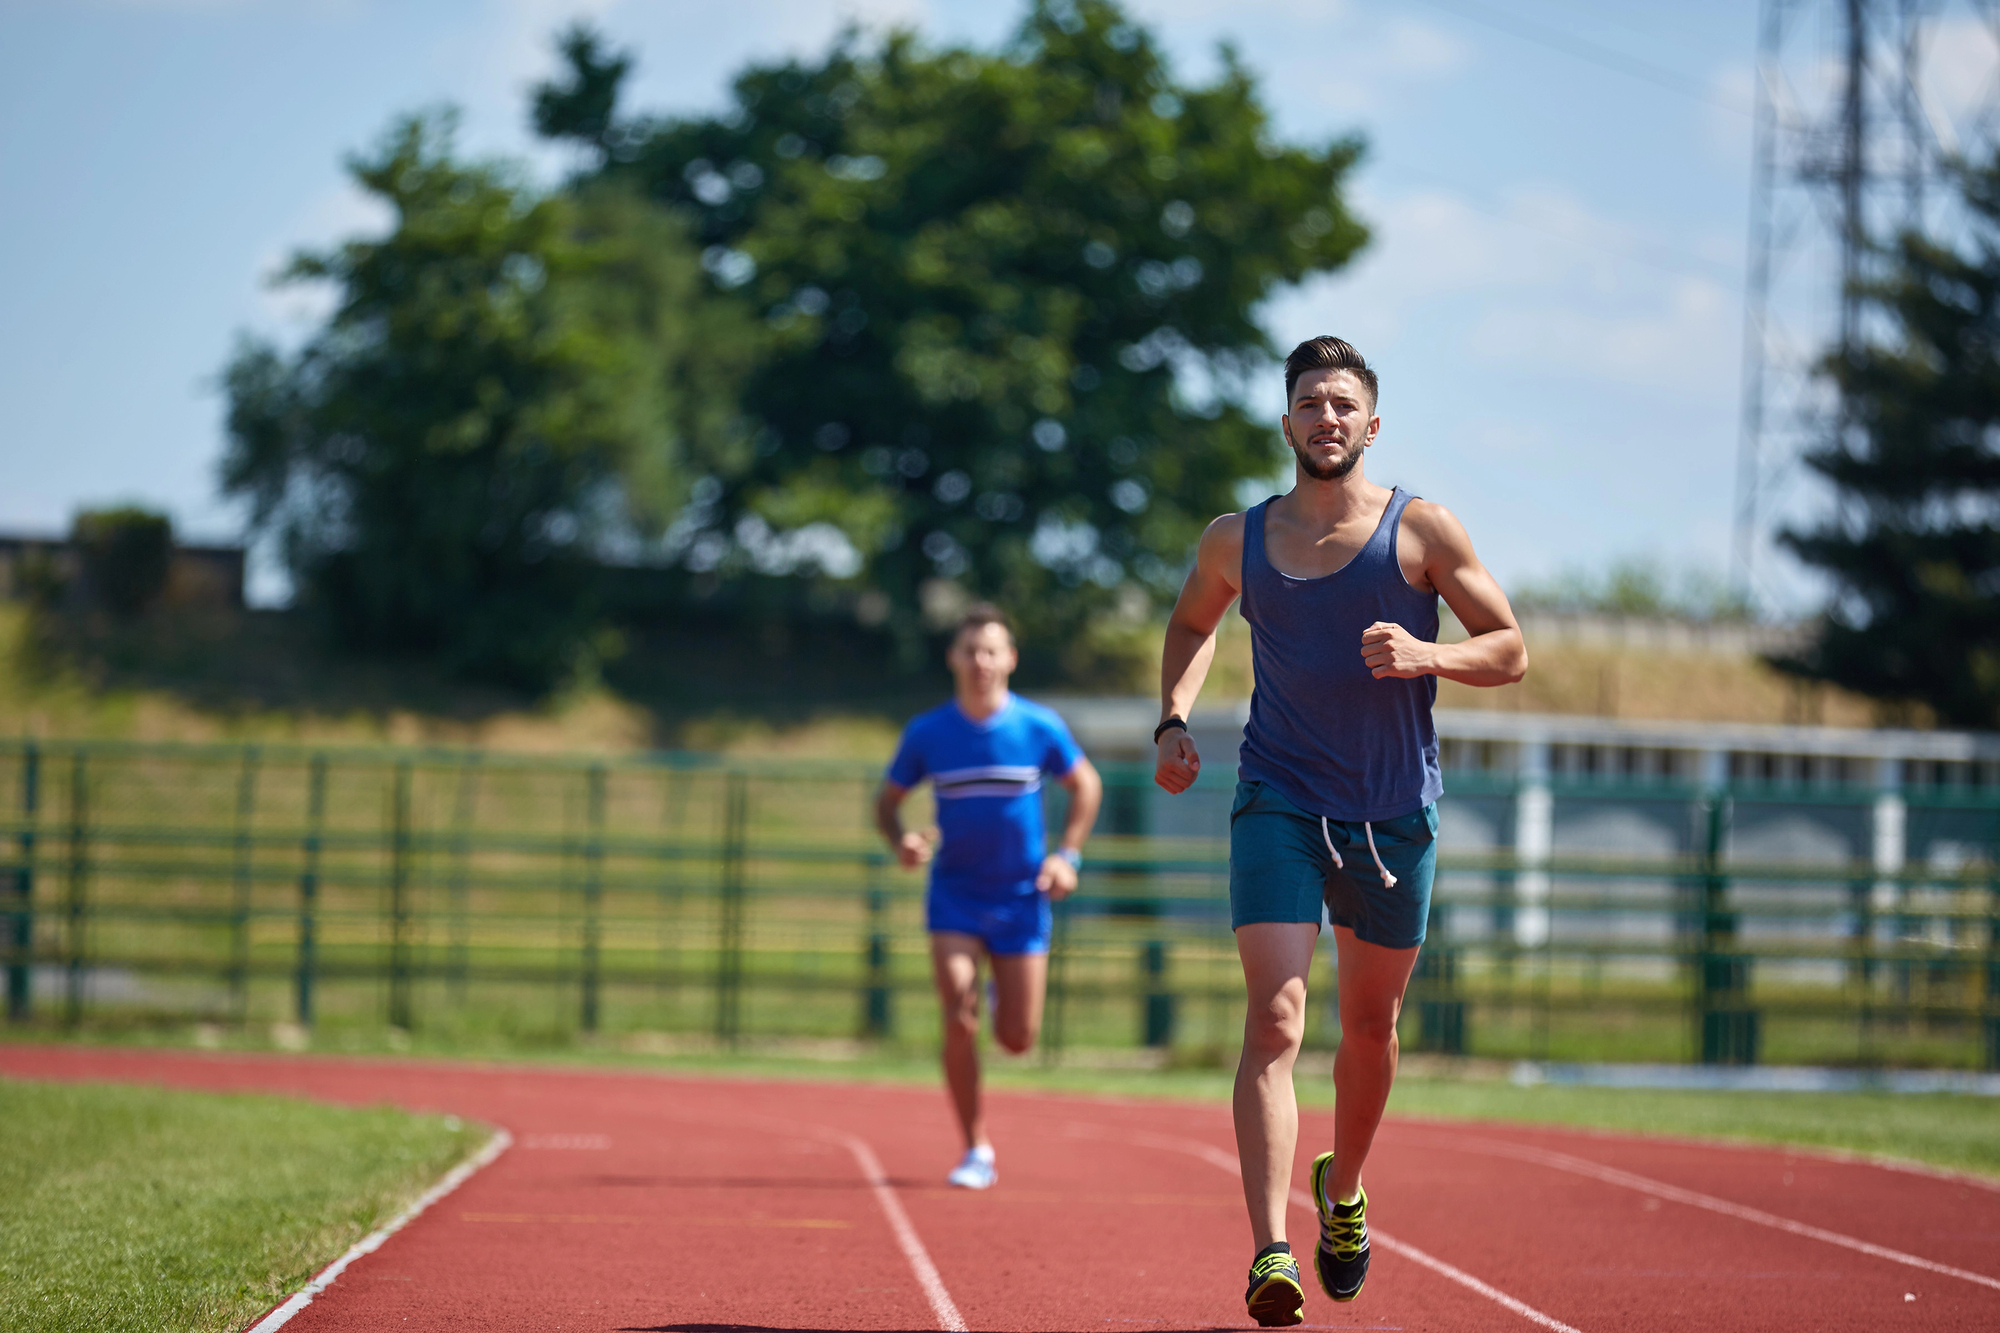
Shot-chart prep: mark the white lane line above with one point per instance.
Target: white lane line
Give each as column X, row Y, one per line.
column 1661, row 1190
column 1300, row 1199
column 1458, row 1275
column 948, row 1317
column 372, row 1242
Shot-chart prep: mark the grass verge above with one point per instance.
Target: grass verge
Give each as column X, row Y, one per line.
column 1957, row 1132
column 146, row 1209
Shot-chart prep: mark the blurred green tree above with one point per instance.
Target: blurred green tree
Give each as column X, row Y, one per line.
column 1009, row 302
column 509, row 385
column 1914, row 547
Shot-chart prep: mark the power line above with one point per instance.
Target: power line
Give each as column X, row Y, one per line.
column 1582, row 48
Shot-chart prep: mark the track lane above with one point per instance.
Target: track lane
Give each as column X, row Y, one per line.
column 1091, row 1229
column 1619, row 1257
column 1841, row 1196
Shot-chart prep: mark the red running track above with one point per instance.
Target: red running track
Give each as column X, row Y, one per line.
column 691, row 1205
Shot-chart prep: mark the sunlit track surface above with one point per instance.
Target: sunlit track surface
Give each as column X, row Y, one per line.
column 693, row 1205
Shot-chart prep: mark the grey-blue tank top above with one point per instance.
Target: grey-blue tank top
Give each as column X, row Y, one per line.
column 1332, row 739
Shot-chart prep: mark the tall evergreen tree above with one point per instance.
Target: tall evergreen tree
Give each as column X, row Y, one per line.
column 1914, row 546
column 1008, row 298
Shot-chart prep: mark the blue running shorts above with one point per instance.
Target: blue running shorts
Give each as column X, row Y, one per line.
column 1007, row 923
column 1280, row 870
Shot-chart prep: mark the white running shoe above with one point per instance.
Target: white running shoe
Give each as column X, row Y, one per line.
column 974, row 1170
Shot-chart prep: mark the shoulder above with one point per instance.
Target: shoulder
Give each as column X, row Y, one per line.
column 1227, row 529
column 929, row 722
column 1434, row 525
column 1222, row 541
column 1040, row 716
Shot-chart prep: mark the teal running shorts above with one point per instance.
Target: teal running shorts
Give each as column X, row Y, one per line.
column 1280, row 869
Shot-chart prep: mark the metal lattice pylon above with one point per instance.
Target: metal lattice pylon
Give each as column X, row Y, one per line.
column 1861, row 108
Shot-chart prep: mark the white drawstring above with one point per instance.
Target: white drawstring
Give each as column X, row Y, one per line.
column 1387, row 878
column 1369, row 827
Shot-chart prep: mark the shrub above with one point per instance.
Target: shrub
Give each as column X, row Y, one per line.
column 125, row 554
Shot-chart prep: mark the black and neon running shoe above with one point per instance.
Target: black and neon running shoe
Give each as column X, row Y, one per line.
column 1341, row 1257
column 1276, row 1299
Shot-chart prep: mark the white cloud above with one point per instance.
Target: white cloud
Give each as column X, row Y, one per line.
column 1319, row 59
column 1421, row 48
column 1537, row 249
column 1687, row 333
column 340, row 213
column 1961, row 62
column 687, row 54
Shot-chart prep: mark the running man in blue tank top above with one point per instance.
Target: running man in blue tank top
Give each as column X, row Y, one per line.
column 1337, row 779
column 992, row 878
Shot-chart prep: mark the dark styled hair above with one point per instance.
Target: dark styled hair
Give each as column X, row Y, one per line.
column 981, row 614
column 1327, row 353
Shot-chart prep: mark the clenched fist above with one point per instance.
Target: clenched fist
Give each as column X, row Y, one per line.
column 1179, row 764
column 1391, row 650
column 912, row 850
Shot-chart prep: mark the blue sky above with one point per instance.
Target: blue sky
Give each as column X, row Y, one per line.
column 1553, row 297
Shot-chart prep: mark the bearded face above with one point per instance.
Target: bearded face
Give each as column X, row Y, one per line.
column 1327, row 468
column 1330, row 424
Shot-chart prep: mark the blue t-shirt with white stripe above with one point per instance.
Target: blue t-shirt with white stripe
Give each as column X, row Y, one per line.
column 987, row 780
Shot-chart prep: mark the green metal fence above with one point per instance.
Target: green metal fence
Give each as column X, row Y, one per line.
column 679, row 896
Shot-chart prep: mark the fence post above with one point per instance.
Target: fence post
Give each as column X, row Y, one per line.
column 1526, row 891
column 1728, row 1025
column 877, row 1018
column 79, row 881
column 239, row 912
column 461, row 854
column 309, row 888
column 399, row 898
column 1991, row 1024
column 1157, row 1016
column 1889, row 847
column 729, row 943
column 21, row 923
column 1440, row 1009
column 593, row 892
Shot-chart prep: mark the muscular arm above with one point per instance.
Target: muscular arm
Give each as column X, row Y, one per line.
column 912, row 849
column 1086, row 793
column 1493, row 653
column 1211, row 586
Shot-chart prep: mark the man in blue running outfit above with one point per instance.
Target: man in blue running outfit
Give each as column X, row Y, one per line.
column 1337, row 782
column 986, row 753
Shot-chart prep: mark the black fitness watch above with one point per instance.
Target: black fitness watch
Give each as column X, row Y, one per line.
column 1175, row 721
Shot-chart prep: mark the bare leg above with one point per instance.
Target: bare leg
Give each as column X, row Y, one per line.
column 955, row 965
column 1372, row 981
column 1020, row 981
column 1276, row 957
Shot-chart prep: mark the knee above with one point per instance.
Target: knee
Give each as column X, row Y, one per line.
column 1274, row 1030
column 961, row 1017
column 1017, row 1037
column 1376, row 1030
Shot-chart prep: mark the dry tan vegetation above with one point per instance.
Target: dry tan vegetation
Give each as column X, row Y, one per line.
column 40, row 699
column 1617, row 682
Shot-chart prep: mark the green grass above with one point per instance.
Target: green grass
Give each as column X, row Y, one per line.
column 1958, row 1132
column 1954, row 1131
column 145, row 1209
